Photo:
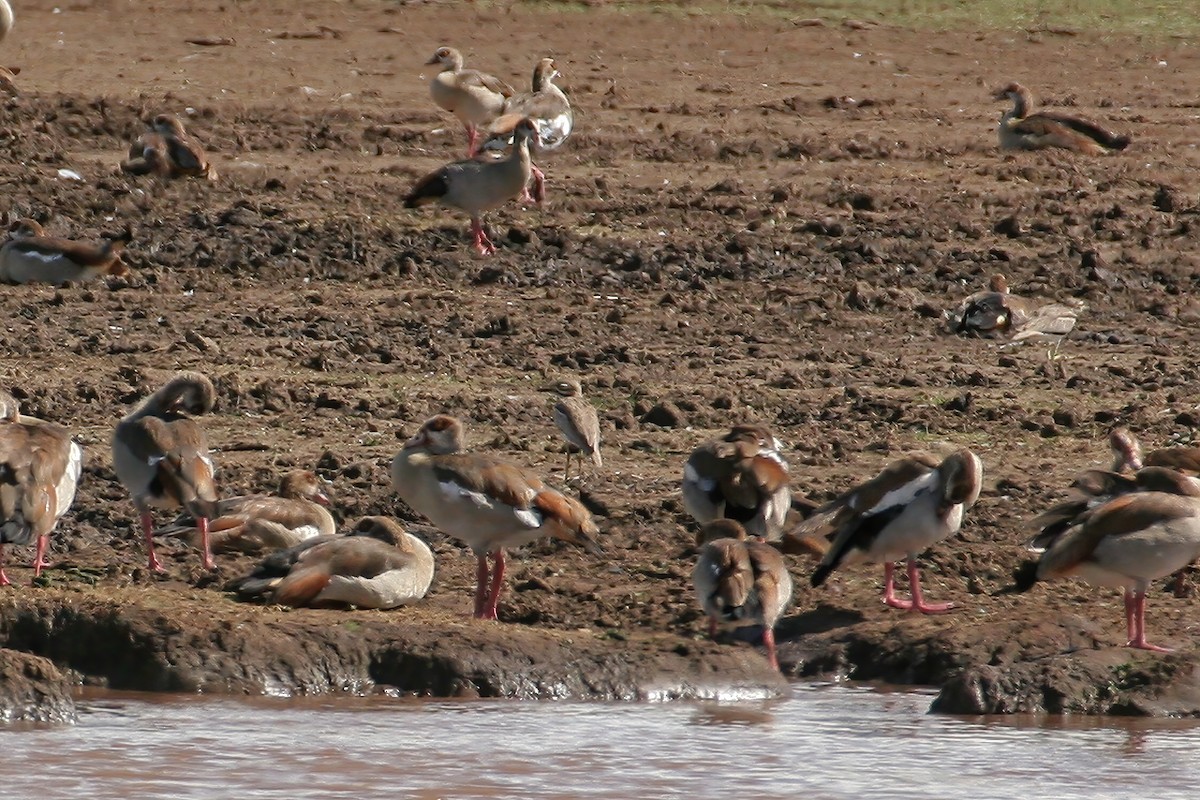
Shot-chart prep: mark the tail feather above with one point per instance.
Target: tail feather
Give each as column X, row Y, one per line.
column 568, row 520
column 430, row 189
column 820, row 574
column 301, row 586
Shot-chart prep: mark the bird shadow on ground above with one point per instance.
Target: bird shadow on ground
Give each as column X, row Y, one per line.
column 821, row 619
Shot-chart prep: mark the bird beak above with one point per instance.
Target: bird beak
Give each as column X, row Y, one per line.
column 434, row 60
column 420, row 440
column 1000, row 94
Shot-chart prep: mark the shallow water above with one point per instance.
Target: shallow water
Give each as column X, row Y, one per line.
column 820, row 742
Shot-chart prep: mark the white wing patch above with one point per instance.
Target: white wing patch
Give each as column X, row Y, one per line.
column 905, row 493
column 454, row 490
column 692, row 476
column 48, row 258
column 528, row 517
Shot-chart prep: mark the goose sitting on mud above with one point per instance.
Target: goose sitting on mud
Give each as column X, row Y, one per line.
column 912, row 504
column 30, row 256
column 168, row 151
column 376, row 565
column 997, row 312
column 1019, row 129
column 738, row 579
column 39, row 470
column 254, row 523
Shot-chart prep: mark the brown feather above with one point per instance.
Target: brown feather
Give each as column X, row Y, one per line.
column 301, row 586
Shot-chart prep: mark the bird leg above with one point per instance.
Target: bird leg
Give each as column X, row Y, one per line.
column 482, row 243
column 769, row 642
column 4, row 581
column 154, row 565
column 481, row 582
column 1138, row 640
column 1130, row 611
column 489, row 608
column 914, row 580
column 39, row 560
column 202, row 526
column 889, row 588
column 539, row 184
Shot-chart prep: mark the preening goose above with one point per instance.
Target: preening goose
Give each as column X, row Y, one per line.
column 741, row 476
column 161, row 456
column 39, row 470
column 912, row 504
column 998, row 312
column 738, row 579
column 168, row 152
column 1127, row 454
column 483, row 501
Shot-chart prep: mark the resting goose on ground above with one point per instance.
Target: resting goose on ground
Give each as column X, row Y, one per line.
column 1126, row 542
column 254, row 523
column 1021, row 130
column 738, row 579
column 39, row 470
column 161, row 457
column 911, row 505
column 577, row 420
column 550, row 111
column 30, row 256
column 476, row 98
column 1127, row 454
column 168, row 152
column 377, row 565
column 997, row 312
column 483, row 501
column 742, row 477
column 479, row 185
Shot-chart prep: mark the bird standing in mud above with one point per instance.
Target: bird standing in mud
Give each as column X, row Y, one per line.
column 485, row 502
column 577, row 420
column 913, row 503
column 161, row 456
column 741, row 476
column 479, row 185
column 39, row 470
column 476, row 98
column 738, row 579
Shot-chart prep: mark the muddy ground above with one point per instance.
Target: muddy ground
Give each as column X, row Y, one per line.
column 754, row 220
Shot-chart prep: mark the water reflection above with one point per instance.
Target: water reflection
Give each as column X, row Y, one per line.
column 822, row 742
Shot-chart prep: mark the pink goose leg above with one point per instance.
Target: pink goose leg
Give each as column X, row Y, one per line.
column 39, row 560
column 154, row 565
column 493, row 598
column 1139, row 624
column 914, row 579
column 481, row 582
column 482, row 243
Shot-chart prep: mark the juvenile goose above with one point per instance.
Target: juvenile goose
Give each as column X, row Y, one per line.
column 161, row 457
column 1127, row 542
column 256, row 522
column 376, row 565
column 476, row 98
column 550, row 111
column 997, row 312
column 577, row 420
column 742, row 477
column 912, row 504
column 483, row 501
column 169, row 152
column 477, row 186
column 738, row 579
column 30, row 256
column 1021, row 130
column 39, row 470
column 1127, row 454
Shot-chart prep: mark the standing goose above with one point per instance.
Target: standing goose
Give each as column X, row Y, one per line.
column 376, row 565
column 742, row 477
column 161, row 457
column 254, row 523
column 477, row 186
column 912, row 504
column 39, row 470
column 577, row 420
column 1021, row 130
column 169, row 152
column 739, row 579
column 1127, row 543
column 30, row 256
column 483, row 501
column 550, row 111
column 476, row 98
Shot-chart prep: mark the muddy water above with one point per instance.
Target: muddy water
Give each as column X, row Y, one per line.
column 821, row 742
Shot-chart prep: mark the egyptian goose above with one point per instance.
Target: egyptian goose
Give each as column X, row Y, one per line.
column 476, row 186
column 741, row 476
column 377, row 565
column 912, row 504
column 169, row 152
column 577, row 420
column 550, row 111
column 161, row 457
column 997, row 312
column 476, row 98
column 30, row 256
column 738, row 579
column 7, row 74
column 483, row 501
column 39, row 470
column 1021, row 130
column 1127, row 542
column 1127, row 454
column 254, row 523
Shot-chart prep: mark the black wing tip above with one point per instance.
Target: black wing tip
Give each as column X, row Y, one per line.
column 820, row 574
column 1024, row 578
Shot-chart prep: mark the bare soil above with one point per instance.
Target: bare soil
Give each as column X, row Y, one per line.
column 754, row 220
